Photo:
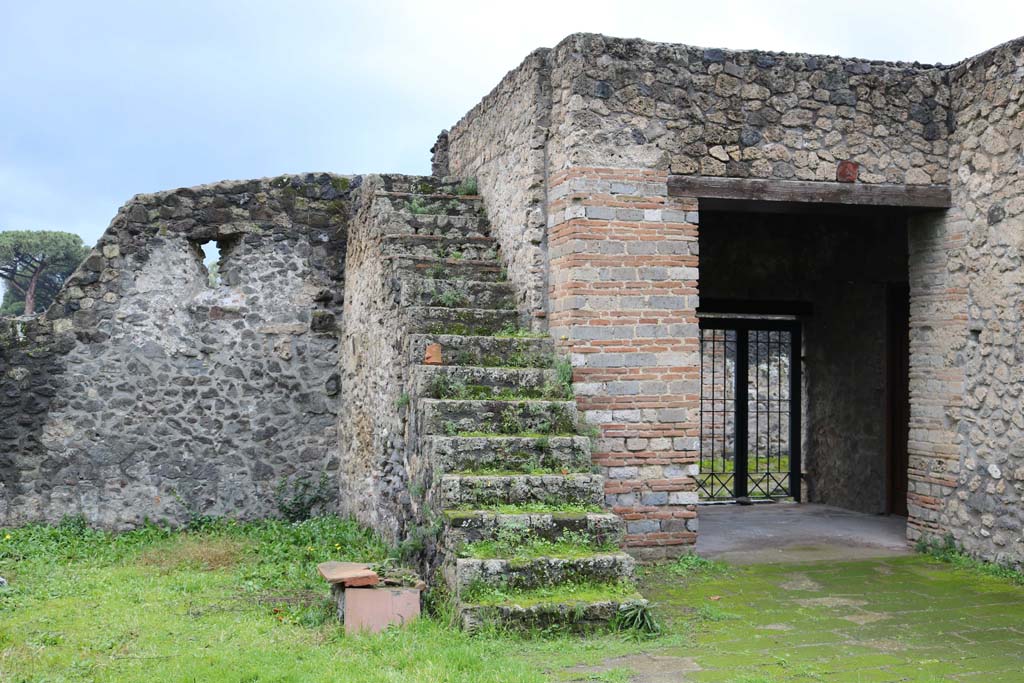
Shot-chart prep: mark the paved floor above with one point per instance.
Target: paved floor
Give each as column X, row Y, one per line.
column 887, row 619
column 791, row 532
column 811, row 594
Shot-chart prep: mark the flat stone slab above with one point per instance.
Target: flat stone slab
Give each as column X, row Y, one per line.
column 348, row 574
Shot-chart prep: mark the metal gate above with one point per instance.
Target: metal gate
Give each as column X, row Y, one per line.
column 750, row 408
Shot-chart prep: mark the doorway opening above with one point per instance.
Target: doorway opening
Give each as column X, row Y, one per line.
column 804, row 340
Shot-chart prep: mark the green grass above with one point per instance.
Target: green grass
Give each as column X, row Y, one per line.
column 722, row 479
column 241, row 602
column 947, row 550
column 528, row 508
column 511, row 331
column 519, row 543
column 466, row 187
column 509, row 472
column 230, row 602
column 692, row 564
column 445, row 387
column 523, row 434
column 570, row 592
column 889, row 619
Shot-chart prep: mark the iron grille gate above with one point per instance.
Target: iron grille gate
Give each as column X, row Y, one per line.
column 750, row 409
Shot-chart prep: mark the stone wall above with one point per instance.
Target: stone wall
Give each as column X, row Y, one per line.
column 373, row 479
column 710, row 112
column 967, row 420
column 841, row 266
column 145, row 392
column 502, row 143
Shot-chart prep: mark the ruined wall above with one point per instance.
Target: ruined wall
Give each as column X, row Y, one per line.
column 501, row 142
column 373, row 478
column 841, row 266
column 147, row 393
column 967, row 413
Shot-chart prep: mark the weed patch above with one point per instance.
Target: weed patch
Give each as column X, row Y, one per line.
column 947, row 550
column 519, row 543
column 194, row 552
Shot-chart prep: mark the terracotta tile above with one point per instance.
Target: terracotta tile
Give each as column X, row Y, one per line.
column 374, row 609
column 348, row 573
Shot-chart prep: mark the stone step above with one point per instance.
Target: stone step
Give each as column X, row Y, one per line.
column 451, row 381
column 474, row 321
column 474, row 491
column 423, row 246
column 512, row 418
column 485, row 351
column 455, row 227
column 418, row 184
column 450, row 226
column 484, row 270
column 470, row 526
column 576, row 617
column 541, row 572
column 425, row 291
column 448, row 454
column 433, row 204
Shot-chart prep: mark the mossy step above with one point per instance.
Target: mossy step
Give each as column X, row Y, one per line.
column 570, row 615
column 472, row 491
column 439, row 291
column 471, row 526
column 398, row 183
column 398, row 222
column 452, row 454
column 471, row 248
column 467, row 574
column 433, row 204
column 485, row 351
column 489, row 270
column 453, row 381
column 444, row 320
column 451, row 417
column 444, row 225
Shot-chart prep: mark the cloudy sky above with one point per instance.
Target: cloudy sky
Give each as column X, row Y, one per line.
column 104, row 99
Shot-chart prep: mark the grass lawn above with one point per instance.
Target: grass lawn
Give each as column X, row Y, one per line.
column 242, row 602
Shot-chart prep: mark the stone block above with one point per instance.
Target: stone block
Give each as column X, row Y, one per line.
column 374, row 609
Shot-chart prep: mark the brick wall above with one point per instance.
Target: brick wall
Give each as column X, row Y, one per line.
column 623, row 296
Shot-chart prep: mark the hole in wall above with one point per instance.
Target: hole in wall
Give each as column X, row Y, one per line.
column 213, row 257
column 211, row 261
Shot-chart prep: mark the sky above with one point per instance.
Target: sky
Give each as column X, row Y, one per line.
column 102, row 100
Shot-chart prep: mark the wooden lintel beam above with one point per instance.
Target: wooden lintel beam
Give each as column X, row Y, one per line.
column 810, row 191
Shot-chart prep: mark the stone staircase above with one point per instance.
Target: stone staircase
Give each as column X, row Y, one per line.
column 499, row 462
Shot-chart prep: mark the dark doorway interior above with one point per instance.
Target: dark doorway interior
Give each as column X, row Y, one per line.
column 844, row 276
column 898, row 397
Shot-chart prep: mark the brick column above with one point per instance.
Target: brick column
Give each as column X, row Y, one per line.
column 623, row 296
column 938, row 335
